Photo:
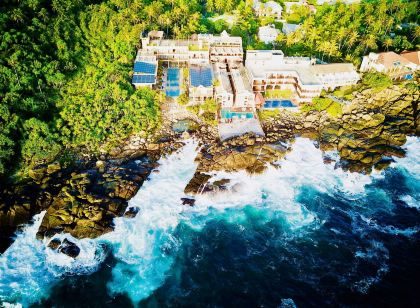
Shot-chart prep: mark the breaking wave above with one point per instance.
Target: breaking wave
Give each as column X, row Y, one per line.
column 311, row 216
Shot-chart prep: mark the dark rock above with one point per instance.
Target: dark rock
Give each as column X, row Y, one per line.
column 53, row 168
column 328, row 160
column 86, row 206
column 188, row 201
column 131, row 212
column 38, row 173
column 53, row 231
column 54, row 244
column 69, row 248
column 221, row 184
column 197, row 183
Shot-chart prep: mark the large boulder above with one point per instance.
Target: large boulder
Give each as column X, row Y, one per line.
column 86, row 206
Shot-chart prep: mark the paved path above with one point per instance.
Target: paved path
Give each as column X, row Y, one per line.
column 338, row 100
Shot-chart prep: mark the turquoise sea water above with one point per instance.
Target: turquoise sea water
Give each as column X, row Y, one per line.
column 306, row 233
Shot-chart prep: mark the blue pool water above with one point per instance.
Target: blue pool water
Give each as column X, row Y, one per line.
column 227, row 114
column 278, row 103
column 172, row 82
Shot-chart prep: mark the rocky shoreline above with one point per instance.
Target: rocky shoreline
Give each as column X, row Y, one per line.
column 84, row 200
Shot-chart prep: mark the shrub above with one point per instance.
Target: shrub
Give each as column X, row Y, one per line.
column 334, row 109
column 377, row 81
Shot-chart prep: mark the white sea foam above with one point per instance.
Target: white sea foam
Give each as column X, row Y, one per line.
column 145, row 247
column 411, row 165
column 411, row 161
column 28, row 268
column 411, row 201
column 389, row 229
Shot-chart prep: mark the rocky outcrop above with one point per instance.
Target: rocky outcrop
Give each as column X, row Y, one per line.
column 247, row 152
column 65, row 247
column 284, row 126
column 370, row 129
column 19, row 203
column 89, row 201
column 83, row 200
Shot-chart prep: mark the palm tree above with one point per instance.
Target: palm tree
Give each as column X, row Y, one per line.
column 341, row 34
column 17, row 15
column 164, row 20
column 370, row 42
column 415, row 33
column 388, row 43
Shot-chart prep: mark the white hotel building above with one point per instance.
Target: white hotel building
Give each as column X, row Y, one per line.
column 271, row 70
column 216, row 70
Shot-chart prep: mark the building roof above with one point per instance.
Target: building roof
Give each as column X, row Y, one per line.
column 261, row 63
column 333, row 68
column 273, row 5
column 144, row 68
column 223, row 77
column 306, row 76
column 201, row 76
column 240, row 79
column 144, row 79
column 289, row 28
column 155, row 34
column 412, row 56
column 268, row 30
column 388, row 59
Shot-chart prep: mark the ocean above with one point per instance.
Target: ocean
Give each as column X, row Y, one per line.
column 302, row 234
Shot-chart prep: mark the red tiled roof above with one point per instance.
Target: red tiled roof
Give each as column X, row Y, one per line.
column 412, row 56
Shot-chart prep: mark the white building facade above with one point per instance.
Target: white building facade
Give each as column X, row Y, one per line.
column 268, row 9
column 336, row 75
column 268, row 34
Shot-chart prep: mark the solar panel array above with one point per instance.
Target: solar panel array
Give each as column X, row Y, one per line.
column 144, row 79
column 144, row 68
column 202, row 76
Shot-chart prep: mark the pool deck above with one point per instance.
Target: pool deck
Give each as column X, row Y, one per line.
column 239, row 127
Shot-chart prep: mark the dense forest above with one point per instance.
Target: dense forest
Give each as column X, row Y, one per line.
column 65, row 64
column 348, row 32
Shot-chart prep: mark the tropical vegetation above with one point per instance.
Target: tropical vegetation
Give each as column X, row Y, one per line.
column 65, row 65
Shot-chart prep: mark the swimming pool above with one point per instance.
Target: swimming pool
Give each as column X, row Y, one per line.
column 269, row 104
column 172, row 82
column 227, row 114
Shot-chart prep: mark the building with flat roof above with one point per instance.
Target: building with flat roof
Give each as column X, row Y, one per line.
column 223, row 87
column 233, row 88
column 271, row 70
column 244, row 97
column 225, row 48
column 200, row 83
column 199, row 49
column 336, row 75
column 145, row 71
column 394, row 65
